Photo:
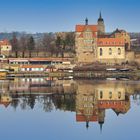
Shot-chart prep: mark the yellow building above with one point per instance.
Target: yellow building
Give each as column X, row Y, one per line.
column 111, row 50
column 123, row 35
column 5, row 47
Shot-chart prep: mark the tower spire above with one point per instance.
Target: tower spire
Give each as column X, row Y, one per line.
column 100, row 15
column 86, row 21
column 101, row 127
column 87, row 124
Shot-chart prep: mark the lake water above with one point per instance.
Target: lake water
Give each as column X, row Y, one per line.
column 66, row 109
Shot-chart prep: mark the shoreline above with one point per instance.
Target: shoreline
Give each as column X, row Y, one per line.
column 133, row 75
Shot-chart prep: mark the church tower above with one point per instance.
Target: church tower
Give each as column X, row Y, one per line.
column 101, row 26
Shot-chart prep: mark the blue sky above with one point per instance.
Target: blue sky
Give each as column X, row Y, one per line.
column 63, row 15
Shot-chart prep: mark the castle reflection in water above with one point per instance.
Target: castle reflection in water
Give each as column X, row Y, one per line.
column 89, row 99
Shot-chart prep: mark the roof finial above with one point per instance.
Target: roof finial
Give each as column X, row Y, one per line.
column 86, row 21
column 100, row 15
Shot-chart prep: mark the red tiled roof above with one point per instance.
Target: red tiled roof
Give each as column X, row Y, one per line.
column 48, row 59
column 110, row 42
column 39, row 59
column 81, row 28
column 4, row 42
column 32, row 66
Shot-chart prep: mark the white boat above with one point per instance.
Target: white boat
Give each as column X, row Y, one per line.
column 124, row 79
column 111, row 69
column 3, row 70
column 71, row 77
column 125, row 69
column 111, row 79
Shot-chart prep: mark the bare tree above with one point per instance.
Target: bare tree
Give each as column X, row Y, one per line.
column 30, row 45
column 23, row 45
column 15, row 44
column 48, row 42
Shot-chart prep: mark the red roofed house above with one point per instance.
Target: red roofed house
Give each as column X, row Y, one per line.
column 5, row 47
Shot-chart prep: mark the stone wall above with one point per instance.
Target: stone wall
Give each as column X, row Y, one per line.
column 130, row 56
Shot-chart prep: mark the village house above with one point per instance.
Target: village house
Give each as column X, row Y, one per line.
column 31, row 68
column 5, row 47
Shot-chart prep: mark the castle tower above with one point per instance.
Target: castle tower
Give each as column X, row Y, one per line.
column 101, row 26
column 86, row 42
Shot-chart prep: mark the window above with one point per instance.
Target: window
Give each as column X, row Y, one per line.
column 101, row 51
column 110, row 94
column 119, row 51
column 110, row 51
column 101, row 94
column 119, row 95
column 100, row 42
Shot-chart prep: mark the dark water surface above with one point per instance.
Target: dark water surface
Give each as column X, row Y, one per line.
column 52, row 109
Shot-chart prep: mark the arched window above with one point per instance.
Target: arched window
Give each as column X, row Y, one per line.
column 119, row 95
column 101, row 94
column 110, row 94
column 119, row 51
column 110, row 51
column 101, row 51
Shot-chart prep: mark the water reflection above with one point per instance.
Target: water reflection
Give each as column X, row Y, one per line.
column 88, row 99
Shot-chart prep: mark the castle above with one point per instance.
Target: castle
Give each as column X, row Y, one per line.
column 93, row 44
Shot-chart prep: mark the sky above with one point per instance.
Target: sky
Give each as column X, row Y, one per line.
column 62, row 15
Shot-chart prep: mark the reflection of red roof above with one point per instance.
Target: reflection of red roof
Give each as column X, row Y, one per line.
column 6, row 104
column 111, row 104
column 82, row 118
column 81, row 28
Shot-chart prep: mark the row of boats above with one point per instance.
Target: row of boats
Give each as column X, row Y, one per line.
column 120, row 78
column 118, row 70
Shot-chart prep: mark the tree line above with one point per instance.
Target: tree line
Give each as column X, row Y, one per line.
column 50, row 43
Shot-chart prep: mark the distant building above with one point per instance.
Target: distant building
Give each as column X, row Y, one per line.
column 5, row 47
column 32, row 68
column 94, row 45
